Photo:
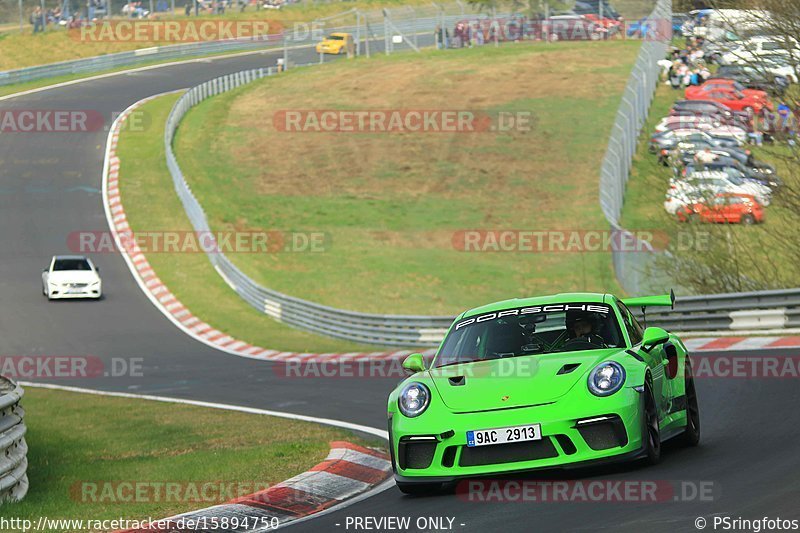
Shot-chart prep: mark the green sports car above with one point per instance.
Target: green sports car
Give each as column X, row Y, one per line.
column 555, row 381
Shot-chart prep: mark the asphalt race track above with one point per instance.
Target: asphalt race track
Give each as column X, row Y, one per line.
column 49, row 187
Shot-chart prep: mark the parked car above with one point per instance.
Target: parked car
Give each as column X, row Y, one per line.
column 704, row 124
column 780, row 66
column 748, row 51
column 701, row 183
column 754, row 78
column 670, row 138
column 766, row 171
column 724, row 208
column 709, row 107
column 734, row 100
column 677, row 199
column 732, row 168
column 713, row 85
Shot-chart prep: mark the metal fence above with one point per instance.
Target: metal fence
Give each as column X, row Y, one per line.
column 634, row 271
column 13, row 449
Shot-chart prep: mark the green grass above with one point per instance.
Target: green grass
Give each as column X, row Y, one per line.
column 152, row 205
column 79, row 441
column 391, row 203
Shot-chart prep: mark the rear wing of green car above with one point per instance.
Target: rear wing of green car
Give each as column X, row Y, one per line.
column 663, row 300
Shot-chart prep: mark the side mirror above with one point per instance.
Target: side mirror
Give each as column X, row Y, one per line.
column 654, row 336
column 45, row 270
column 414, row 362
column 97, row 268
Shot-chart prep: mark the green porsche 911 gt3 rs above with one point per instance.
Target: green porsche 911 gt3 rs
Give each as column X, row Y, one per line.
column 557, row 381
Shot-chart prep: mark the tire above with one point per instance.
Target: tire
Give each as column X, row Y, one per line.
column 749, row 110
column 748, row 220
column 691, row 436
column 419, row 489
column 650, row 431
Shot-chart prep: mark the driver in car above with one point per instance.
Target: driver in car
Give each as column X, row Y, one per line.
column 583, row 325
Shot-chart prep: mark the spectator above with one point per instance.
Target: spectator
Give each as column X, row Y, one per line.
column 704, row 156
column 37, row 19
column 188, row 8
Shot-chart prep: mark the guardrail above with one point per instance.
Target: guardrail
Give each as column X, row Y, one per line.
column 13, row 449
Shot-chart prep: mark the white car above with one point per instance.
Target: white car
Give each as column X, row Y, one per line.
column 71, row 276
column 677, row 198
column 701, row 123
column 779, row 65
column 705, row 182
column 750, row 50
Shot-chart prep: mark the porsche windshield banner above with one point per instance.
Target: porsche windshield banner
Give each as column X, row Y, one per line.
column 535, row 310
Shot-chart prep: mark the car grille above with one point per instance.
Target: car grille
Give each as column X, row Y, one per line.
column 413, row 454
column 78, row 285
column 604, row 435
column 507, row 453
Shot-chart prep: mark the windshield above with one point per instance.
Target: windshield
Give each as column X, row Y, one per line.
column 71, row 264
column 532, row 330
column 336, row 37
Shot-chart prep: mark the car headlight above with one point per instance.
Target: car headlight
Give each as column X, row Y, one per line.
column 606, row 378
column 414, row 399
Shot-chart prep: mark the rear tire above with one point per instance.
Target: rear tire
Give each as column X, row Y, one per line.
column 691, row 437
column 419, row 489
column 748, row 220
column 650, row 432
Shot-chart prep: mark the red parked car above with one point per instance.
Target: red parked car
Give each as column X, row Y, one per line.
column 727, row 208
column 715, row 84
column 731, row 98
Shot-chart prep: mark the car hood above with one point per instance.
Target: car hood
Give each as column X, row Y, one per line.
column 73, row 276
column 522, row 381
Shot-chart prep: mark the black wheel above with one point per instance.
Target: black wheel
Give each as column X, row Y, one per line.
column 748, row 220
column 650, row 431
column 691, row 437
column 419, row 489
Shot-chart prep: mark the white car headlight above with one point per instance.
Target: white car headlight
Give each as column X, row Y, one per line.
column 414, row 399
column 606, row 378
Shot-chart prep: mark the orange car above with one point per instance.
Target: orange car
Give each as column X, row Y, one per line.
column 725, row 208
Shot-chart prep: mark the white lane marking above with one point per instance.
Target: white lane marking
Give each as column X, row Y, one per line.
column 383, row 434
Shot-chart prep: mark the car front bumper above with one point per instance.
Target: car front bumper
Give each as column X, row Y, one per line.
column 434, row 448
column 60, row 293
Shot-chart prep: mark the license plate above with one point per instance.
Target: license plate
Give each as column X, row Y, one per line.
column 486, row 437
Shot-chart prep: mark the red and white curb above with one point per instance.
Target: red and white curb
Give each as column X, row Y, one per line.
column 731, row 344
column 348, row 471
column 166, row 301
